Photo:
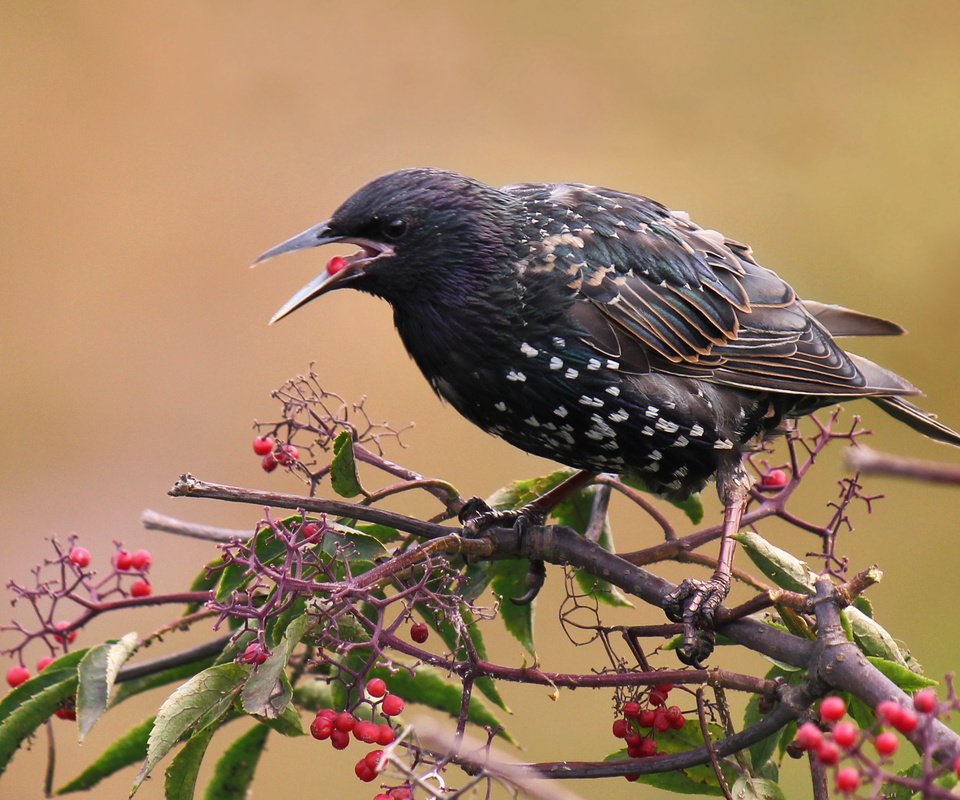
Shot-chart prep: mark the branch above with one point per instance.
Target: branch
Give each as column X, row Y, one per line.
column 870, row 462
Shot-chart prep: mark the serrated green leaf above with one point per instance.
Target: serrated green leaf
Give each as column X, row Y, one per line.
column 53, row 674
column 574, row 512
column 316, row 694
column 677, row 781
column 689, row 737
column 288, row 723
column 123, row 752
column 509, row 579
column 97, row 672
column 905, row 678
column 205, row 581
column 749, row 788
column 691, row 506
column 382, row 533
column 267, row 692
column 36, row 709
column 862, row 602
column 429, row 687
column 267, row 548
column 343, row 541
column 180, row 779
column 343, row 469
column 519, row 493
column 784, row 569
column 872, row 638
column 176, row 674
column 200, row 701
column 234, row 771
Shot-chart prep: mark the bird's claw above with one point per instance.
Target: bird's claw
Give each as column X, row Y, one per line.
column 694, row 603
column 476, row 516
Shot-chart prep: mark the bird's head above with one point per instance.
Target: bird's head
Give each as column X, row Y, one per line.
column 418, row 230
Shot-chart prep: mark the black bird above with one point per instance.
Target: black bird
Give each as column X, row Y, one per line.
column 602, row 330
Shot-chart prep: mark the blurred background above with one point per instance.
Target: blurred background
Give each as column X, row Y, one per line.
column 148, row 155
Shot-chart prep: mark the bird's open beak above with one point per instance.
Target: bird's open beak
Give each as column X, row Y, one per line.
column 328, row 279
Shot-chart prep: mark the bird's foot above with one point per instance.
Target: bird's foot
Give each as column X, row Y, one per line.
column 477, row 516
column 694, row 603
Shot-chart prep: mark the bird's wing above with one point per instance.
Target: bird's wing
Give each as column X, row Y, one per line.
column 659, row 292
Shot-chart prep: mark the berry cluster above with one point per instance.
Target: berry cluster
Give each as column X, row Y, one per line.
column 274, row 455
column 338, row 727
column 837, row 739
column 652, row 717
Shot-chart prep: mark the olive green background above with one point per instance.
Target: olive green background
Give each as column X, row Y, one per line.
column 148, row 153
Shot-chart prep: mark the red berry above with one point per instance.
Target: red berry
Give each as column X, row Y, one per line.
column 906, row 721
column 66, row 713
column 376, row 687
column 956, row 766
column 647, row 718
column 828, row 753
column 887, row 711
column 142, row 559
column 925, row 701
column 845, row 734
column 419, row 632
column 254, row 654
column 392, row 705
column 662, row 721
column 263, row 445
column 848, row 779
column 808, row 737
column 647, row 747
column 123, row 560
column 339, row 739
column 141, row 588
column 832, row 708
column 620, row 728
column 381, row 796
column 363, row 771
column 400, row 793
column 774, row 479
column 80, row 556
column 44, row 662
column 370, row 733
column 678, row 722
column 337, row 264
column 631, row 709
column 345, row 721
column 269, row 463
column 327, row 713
column 287, row 455
column 385, row 735
column 633, row 739
column 666, row 688
column 633, row 776
column 372, row 758
column 658, row 698
column 67, row 638
column 310, row 531
column 886, row 743
column 321, row 728
column 17, row 675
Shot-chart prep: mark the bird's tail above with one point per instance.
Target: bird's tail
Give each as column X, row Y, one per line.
column 922, row 421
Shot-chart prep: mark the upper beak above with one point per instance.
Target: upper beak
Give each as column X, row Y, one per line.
column 314, row 237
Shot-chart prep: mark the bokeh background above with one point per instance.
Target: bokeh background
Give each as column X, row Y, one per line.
column 149, row 153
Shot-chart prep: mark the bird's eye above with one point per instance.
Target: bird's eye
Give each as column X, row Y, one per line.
column 394, row 228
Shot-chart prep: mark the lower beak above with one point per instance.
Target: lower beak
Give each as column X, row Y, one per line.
column 325, row 281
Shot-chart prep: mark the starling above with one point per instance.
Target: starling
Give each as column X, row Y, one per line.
column 602, row 330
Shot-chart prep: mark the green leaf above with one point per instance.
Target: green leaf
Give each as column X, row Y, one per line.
column 519, row 493
column 343, row 469
column 235, row 769
column 316, row 694
column 200, row 701
column 267, row 548
column 574, row 512
column 783, row 568
column 288, row 723
column 748, row 788
column 180, row 779
column 37, row 708
column 510, row 580
column 355, row 545
column 677, row 781
column 905, row 678
column 205, row 581
column 428, row 686
column 267, row 692
column 128, row 749
column 97, row 673
column 176, row 674
column 689, row 737
column 382, row 533
column 691, row 506
column 53, row 674
column 873, row 638
column 760, row 752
